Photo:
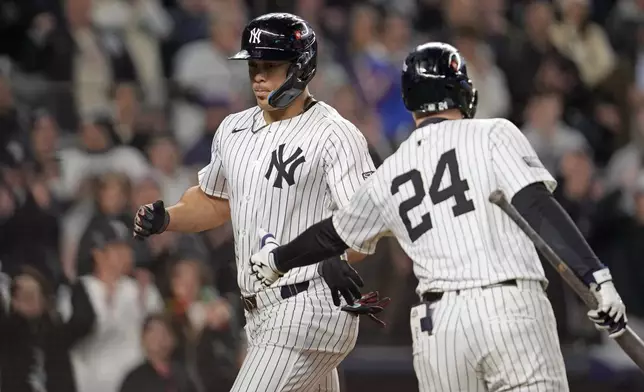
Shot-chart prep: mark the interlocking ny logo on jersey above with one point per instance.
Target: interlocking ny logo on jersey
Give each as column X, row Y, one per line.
column 285, row 168
column 254, row 36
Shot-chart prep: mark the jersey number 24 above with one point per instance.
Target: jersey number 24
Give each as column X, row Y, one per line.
column 455, row 190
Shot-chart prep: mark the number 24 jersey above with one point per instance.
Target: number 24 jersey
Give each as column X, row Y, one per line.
column 432, row 195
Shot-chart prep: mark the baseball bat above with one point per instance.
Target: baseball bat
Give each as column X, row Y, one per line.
column 632, row 345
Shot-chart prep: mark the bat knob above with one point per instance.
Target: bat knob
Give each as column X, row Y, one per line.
column 496, row 197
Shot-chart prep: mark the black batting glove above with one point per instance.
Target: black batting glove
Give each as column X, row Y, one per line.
column 342, row 279
column 369, row 304
column 151, row 219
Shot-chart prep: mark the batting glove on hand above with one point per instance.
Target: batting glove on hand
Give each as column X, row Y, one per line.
column 262, row 264
column 610, row 314
column 151, row 219
column 369, row 304
column 342, row 279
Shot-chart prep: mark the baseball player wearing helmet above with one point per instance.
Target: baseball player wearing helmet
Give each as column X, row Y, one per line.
column 282, row 165
column 484, row 322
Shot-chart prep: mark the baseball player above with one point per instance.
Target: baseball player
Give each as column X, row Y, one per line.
column 283, row 165
column 484, row 322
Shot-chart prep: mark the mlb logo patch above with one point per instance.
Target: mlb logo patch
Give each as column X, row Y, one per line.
column 533, row 162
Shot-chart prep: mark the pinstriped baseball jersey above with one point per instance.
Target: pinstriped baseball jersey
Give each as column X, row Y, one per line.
column 432, row 194
column 283, row 177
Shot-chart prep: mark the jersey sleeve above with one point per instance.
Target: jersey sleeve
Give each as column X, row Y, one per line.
column 360, row 224
column 514, row 161
column 347, row 162
column 211, row 178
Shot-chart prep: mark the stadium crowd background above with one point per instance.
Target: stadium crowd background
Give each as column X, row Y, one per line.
column 109, row 104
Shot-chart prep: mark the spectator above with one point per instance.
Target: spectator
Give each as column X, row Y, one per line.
column 201, row 152
column 494, row 98
column 155, row 252
column 368, row 121
column 369, row 70
column 34, row 356
column 627, row 163
column 620, row 243
column 10, row 121
column 395, row 42
column 148, row 122
column 396, row 37
column 627, row 20
column 86, row 63
column 127, row 97
column 577, row 189
column 190, row 23
column 584, row 42
column 158, row 373
column 140, row 25
column 204, row 322
column 206, row 77
column 111, row 202
column 530, row 60
column 100, row 152
column 174, row 179
column 546, row 131
column 44, row 146
column 29, row 231
column 102, row 359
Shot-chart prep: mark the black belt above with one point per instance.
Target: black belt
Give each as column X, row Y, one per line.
column 436, row 296
column 288, row 291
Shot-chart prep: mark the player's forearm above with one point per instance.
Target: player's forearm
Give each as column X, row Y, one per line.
column 317, row 243
column 546, row 216
column 197, row 212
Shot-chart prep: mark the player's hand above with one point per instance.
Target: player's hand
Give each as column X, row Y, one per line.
column 262, row 265
column 150, row 219
column 369, row 304
column 342, row 279
column 610, row 314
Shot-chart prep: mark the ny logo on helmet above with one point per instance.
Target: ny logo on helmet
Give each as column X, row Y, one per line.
column 285, row 168
column 254, row 36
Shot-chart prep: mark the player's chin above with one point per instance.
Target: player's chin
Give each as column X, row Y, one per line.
column 262, row 102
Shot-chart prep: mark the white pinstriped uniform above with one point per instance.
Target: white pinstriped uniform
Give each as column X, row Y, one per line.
column 284, row 177
column 432, row 194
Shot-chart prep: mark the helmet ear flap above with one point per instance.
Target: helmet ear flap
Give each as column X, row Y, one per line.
column 298, row 76
column 474, row 103
column 468, row 97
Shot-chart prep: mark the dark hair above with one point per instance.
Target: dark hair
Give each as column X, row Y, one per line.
column 157, row 317
column 205, row 273
column 46, row 288
column 50, row 315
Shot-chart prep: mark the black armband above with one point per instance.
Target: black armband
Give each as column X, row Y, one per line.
column 319, row 242
column 546, row 216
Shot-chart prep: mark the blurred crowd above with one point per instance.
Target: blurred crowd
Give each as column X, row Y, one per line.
column 109, row 104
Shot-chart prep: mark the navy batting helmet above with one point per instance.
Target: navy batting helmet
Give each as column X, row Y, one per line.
column 282, row 37
column 434, row 78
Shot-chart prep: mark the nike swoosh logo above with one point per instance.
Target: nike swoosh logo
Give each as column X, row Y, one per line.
column 238, row 130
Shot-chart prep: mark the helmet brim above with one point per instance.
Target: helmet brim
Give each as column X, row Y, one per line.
column 266, row 54
column 241, row 55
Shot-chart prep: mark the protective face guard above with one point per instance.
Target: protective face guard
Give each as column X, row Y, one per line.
column 293, row 86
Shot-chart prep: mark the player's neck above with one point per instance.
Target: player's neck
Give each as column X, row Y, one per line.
column 451, row 114
column 294, row 109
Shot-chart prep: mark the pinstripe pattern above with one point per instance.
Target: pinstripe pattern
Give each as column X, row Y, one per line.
column 299, row 349
column 475, row 249
column 336, row 156
column 495, row 339
column 491, row 339
column 294, row 344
